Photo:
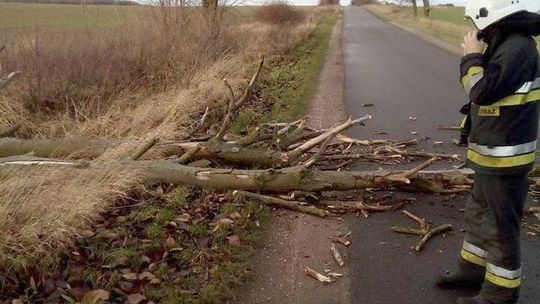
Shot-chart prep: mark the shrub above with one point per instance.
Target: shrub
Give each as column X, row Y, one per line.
column 279, row 12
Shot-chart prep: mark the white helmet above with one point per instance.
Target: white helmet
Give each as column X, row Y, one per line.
column 486, row 12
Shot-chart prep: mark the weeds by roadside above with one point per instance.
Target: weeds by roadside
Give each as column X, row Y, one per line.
column 166, row 246
column 287, row 88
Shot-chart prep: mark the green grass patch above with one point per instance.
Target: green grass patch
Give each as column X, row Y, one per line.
column 26, row 15
column 294, row 81
column 455, row 15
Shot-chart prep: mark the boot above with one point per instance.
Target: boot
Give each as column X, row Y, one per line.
column 480, row 300
column 475, row 300
column 460, row 279
column 468, row 276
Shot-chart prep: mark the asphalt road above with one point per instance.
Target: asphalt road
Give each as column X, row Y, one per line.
column 404, row 76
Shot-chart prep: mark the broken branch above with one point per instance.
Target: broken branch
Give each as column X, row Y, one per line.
column 404, row 177
column 5, row 82
column 186, row 158
column 422, row 223
column 145, row 148
column 294, row 154
column 406, row 230
column 317, row 276
column 200, row 125
column 296, row 206
column 430, row 234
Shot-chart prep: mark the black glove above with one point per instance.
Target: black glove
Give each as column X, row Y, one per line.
column 466, row 109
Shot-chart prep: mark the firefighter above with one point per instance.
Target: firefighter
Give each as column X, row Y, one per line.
column 500, row 73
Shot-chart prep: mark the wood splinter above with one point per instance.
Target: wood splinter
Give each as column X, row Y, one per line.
column 337, row 255
column 343, row 241
column 317, row 276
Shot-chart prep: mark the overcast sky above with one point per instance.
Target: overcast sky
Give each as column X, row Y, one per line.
column 347, row 2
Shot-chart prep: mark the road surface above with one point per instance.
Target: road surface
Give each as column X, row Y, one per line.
column 404, row 76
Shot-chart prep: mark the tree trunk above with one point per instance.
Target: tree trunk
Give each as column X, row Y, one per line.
column 415, row 8
column 427, row 8
column 76, row 148
column 282, row 180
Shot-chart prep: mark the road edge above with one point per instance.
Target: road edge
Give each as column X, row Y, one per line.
column 296, row 241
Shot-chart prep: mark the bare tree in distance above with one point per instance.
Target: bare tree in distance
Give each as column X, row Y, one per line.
column 414, row 4
column 364, row 2
column 328, row 2
column 427, row 8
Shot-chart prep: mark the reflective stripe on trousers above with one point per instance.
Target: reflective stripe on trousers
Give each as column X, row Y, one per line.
column 473, row 254
column 503, row 277
column 502, row 156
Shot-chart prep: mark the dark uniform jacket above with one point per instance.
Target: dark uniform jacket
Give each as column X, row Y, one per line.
column 504, row 89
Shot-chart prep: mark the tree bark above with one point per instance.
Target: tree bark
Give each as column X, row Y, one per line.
column 427, row 8
column 282, row 180
column 76, row 148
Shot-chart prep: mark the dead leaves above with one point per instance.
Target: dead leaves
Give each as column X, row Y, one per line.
column 135, row 298
column 234, row 240
column 135, row 250
column 96, row 296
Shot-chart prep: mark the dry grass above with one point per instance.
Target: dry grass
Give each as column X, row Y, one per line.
column 41, row 207
column 147, row 78
column 449, row 32
column 140, row 89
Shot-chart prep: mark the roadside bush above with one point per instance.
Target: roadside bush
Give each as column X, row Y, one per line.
column 279, row 12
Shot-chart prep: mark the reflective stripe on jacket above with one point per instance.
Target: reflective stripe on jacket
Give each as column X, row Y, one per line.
column 504, row 91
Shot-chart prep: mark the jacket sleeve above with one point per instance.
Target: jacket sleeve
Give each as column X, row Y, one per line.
column 506, row 72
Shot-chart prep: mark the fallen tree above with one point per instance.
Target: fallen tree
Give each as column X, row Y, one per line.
column 270, row 180
column 282, row 164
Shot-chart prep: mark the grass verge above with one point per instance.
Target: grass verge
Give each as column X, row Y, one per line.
column 290, row 82
column 444, row 24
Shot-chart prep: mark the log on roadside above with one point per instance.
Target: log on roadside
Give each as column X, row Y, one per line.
column 76, row 148
column 271, row 180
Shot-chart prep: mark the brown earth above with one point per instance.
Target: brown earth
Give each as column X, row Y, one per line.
column 294, row 240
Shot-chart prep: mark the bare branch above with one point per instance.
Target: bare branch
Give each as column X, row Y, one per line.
column 5, row 82
column 297, row 206
column 145, row 148
column 293, row 155
column 404, row 177
column 430, row 234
